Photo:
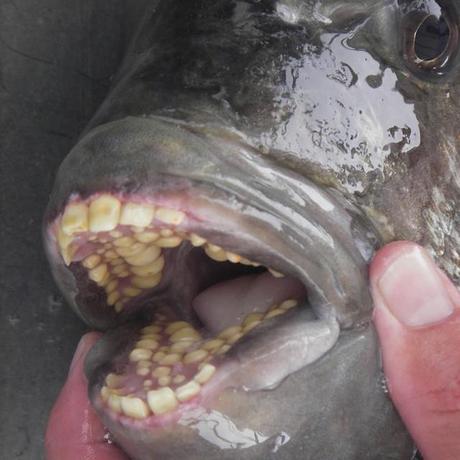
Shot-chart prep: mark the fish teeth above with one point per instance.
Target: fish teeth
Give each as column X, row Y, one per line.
column 169, row 216
column 134, row 407
column 188, row 391
column 75, row 218
column 162, row 400
column 139, row 215
column 104, row 213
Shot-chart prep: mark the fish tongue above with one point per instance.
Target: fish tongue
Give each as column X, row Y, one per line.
column 227, row 303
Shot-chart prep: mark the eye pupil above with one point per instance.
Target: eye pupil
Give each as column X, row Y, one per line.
column 432, row 38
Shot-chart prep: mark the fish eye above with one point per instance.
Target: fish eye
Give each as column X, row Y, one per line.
column 430, row 38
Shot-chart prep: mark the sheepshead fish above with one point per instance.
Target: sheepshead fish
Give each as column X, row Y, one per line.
column 217, row 217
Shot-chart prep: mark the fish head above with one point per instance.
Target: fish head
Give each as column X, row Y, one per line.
column 218, row 214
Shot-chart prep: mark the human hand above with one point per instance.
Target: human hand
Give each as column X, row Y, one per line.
column 420, row 354
column 417, row 315
column 74, row 430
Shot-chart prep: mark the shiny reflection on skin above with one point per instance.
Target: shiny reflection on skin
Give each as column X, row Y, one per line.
column 342, row 111
column 219, row 430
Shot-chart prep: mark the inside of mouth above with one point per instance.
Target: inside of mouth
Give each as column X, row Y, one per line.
column 135, row 250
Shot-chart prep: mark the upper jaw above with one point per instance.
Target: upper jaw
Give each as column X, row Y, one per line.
column 280, row 219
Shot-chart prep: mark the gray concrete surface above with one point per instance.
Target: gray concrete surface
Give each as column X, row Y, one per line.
column 56, row 61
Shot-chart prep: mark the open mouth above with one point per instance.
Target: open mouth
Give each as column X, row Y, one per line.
column 214, row 316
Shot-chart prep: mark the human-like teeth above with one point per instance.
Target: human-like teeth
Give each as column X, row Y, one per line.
column 175, row 326
column 134, row 407
column 140, row 215
column 196, row 240
column 162, row 400
column 179, row 378
column 104, row 213
column 146, row 282
column 148, row 344
column 131, row 291
column 195, row 356
column 213, row 344
column 180, row 347
column 64, row 242
column 146, row 237
column 114, row 380
column 75, row 218
column 168, row 242
column 152, row 329
column 217, row 255
column 124, row 242
column 113, row 298
column 91, row 261
column 144, row 258
column 229, row 332
column 188, row 391
column 114, row 402
column 132, row 250
column 205, row 373
column 165, row 380
column 185, row 334
column 169, row 216
column 288, row 304
column 150, row 269
column 170, row 359
column 161, row 371
column 232, row 257
column 274, row 312
column 98, row 273
column 139, row 354
column 105, row 393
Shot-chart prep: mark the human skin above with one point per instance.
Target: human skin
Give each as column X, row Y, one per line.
column 417, row 316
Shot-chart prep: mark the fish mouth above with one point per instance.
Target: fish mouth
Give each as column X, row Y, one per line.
column 203, row 287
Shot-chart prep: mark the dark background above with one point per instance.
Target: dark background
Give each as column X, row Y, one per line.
column 57, row 58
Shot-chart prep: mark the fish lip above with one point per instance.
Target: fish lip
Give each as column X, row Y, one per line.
column 338, row 288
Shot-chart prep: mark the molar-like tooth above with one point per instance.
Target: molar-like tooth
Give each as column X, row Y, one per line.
column 104, row 213
column 111, row 286
column 212, row 344
column 148, row 344
column 119, row 269
column 185, row 334
column 196, row 240
column 180, row 347
column 274, row 312
column 75, row 218
column 252, row 317
column 205, row 373
column 213, row 247
column 144, row 258
column 105, row 393
column 146, row 282
column 171, row 242
column 132, row 250
column 250, row 326
column 275, row 273
column 175, row 326
column 235, row 338
column 169, row 216
column 148, row 383
column 146, row 237
column 195, row 356
column 219, row 256
column 223, row 349
column 139, row 354
column 179, row 378
column 158, row 356
column 151, row 336
column 114, row 402
column 166, row 232
column 131, row 291
column 113, row 297
column 164, row 381
column 119, row 306
column 170, row 359
column 143, row 371
column 188, row 391
column 134, row 407
column 229, row 332
column 162, row 400
column 288, row 304
column 124, row 242
column 151, row 269
column 91, row 261
column 111, row 255
column 113, row 380
column 115, row 234
column 139, row 215
column 161, row 371
column 98, row 273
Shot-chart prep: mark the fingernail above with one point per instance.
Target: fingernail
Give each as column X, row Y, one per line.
column 79, row 354
column 412, row 290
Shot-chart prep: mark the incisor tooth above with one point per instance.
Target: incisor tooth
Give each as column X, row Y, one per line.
column 91, row 261
column 275, row 273
column 188, row 391
column 146, row 237
column 232, row 257
column 75, row 218
column 171, row 242
column 197, row 240
column 64, row 242
column 139, row 215
column 98, row 273
column 274, row 312
column 104, row 213
column 113, row 380
column 151, row 269
column 144, row 258
column 288, row 304
column 195, row 356
column 205, row 373
column 105, row 393
column 146, row 282
column 134, row 407
column 140, row 354
column 114, row 403
column 169, row 216
column 162, row 400
column 219, row 256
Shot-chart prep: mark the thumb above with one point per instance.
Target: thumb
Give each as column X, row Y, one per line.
column 74, row 431
column 417, row 315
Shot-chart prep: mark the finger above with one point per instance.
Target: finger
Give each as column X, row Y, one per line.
column 417, row 315
column 74, row 431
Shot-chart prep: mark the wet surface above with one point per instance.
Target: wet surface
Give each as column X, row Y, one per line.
column 52, row 78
